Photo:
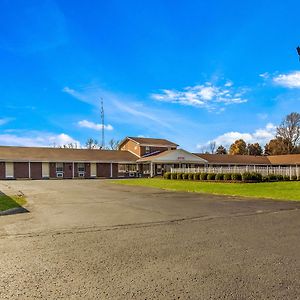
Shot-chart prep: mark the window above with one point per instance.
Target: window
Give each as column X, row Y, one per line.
column 147, row 149
column 124, row 168
column 81, row 167
column 59, row 167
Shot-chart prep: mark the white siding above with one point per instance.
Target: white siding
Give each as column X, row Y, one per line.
column 9, row 170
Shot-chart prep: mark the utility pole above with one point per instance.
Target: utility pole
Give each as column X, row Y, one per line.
column 102, row 124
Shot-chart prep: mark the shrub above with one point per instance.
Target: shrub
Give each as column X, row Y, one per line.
column 227, row 176
column 185, row 176
column 286, row 178
column 167, row 175
column 203, row 176
column 180, row 175
column 211, row 176
column 173, row 175
column 236, row 176
column 279, row 177
column 294, row 177
column 273, row 177
column 196, row 176
column 191, row 176
column 248, row 176
column 219, row 176
column 265, row 178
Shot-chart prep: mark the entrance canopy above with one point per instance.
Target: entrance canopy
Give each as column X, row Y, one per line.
column 178, row 156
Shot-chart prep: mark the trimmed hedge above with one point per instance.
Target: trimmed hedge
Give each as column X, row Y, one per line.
column 236, row 176
column 203, row 176
column 211, row 176
column 252, row 176
column 247, row 177
column 219, row 176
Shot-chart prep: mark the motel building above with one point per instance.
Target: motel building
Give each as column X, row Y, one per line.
column 136, row 157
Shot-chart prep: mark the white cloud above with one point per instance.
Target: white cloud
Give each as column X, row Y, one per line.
column 265, row 75
column 290, row 80
column 36, row 139
column 261, row 136
column 92, row 125
column 208, row 95
column 4, row 121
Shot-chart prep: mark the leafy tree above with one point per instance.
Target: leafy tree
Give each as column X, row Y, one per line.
column 289, row 131
column 91, row 144
column 276, row 146
column 254, row 149
column 221, row 150
column 238, row 147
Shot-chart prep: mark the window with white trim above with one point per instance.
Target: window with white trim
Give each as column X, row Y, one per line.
column 59, row 167
column 80, row 167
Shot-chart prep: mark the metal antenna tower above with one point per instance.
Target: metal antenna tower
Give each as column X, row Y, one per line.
column 102, row 124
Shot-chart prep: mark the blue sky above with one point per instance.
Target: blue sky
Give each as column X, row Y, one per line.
column 188, row 71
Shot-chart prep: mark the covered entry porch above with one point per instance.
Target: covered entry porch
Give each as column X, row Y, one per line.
column 158, row 164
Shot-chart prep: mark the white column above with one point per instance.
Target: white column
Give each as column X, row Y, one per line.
column 29, row 170
column 73, row 171
column 111, row 170
column 151, row 169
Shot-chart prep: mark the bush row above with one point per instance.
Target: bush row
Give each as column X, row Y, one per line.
column 249, row 176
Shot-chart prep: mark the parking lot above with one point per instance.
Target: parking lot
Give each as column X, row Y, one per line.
column 93, row 239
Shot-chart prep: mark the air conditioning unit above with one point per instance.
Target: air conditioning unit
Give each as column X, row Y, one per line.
column 81, row 174
column 131, row 174
column 59, row 174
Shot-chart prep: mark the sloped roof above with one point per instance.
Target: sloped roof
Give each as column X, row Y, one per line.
column 285, row 159
column 227, row 159
column 174, row 156
column 150, row 141
column 63, row 154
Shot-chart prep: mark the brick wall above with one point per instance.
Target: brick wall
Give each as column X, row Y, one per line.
column 103, row 170
column 36, row 170
column 2, row 170
column 21, row 170
column 68, row 170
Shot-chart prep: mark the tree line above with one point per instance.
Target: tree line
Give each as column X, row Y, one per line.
column 92, row 143
column 286, row 141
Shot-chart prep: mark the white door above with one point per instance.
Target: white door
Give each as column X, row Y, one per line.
column 45, row 170
column 9, row 170
column 93, row 170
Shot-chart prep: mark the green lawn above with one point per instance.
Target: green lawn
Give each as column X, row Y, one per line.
column 274, row 190
column 7, row 202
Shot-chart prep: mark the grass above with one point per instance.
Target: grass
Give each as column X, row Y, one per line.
column 274, row 190
column 8, row 202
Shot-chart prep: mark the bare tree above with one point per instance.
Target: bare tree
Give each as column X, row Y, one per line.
column 289, row 131
column 69, row 146
column 91, row 144
column 212, row 147
column 113, row 144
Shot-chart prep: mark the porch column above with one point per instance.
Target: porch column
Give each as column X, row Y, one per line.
column 151, row 169
column 111, row 170
column 73, row 171
column 29, row 170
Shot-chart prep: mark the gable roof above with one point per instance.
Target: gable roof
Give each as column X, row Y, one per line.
column 227, row 159
column 40, row 154
column 174, row 156
column 150, row 142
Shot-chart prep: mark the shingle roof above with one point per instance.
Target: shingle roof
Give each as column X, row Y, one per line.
column 285, row 159
column 227, row 159
column 151, row 141
column 63, row 154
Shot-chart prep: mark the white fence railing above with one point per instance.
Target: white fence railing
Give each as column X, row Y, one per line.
column 264, row 170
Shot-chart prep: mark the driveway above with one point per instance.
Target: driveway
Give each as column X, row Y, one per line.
column 96, row 240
